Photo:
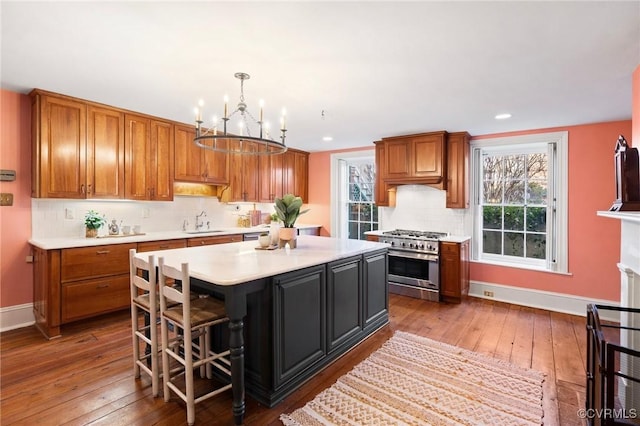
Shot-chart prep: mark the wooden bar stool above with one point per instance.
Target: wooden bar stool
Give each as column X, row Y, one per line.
column 191, row 319
column 144, row 301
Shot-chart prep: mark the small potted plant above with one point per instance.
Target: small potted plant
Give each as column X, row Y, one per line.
column 93, row 221
column 288, row 211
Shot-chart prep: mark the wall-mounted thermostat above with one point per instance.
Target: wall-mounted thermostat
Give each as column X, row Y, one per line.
column 7, row 175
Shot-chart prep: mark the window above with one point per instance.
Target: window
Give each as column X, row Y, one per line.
column 520, row 201
column 353, row 187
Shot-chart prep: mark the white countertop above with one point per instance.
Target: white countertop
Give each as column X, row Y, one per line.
column 61, row 243
column 235, row 263
column 449, row 239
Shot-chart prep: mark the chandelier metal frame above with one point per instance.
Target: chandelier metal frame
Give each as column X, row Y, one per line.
column 213, row 140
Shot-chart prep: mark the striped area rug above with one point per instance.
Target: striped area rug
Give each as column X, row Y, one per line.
column 412, row 380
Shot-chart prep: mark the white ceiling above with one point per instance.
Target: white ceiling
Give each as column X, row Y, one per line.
column 376, row 69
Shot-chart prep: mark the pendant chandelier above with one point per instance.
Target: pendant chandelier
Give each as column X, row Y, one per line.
column 252, row 137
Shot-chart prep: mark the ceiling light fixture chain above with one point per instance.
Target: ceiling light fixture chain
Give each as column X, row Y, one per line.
column 211, row 139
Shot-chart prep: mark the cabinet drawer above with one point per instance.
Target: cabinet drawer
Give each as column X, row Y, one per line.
column 218, row 239
column 93, row 262
column 161, row 245
column 93, row 297
column 450, row 249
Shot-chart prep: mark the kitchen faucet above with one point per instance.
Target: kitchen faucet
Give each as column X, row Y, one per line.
column 199, row 222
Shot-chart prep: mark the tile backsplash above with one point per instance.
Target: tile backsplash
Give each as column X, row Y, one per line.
column 423, row 208
column 53, row 218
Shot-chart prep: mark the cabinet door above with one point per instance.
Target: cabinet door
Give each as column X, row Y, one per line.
column 161, row 245
column 376, row 289
column 299, row 314
column 250, row 173
column 188, row 156
column 161, row 166
column 277, row 175
column 264, row 179
column 458, row 170
column 216, row 164
column 382, row 199
column 344, row 301
column 60, row 148
column 301, row 175
column 105, row 153
column 137, row 142
column 428, row 156
column 288, row 172
column 82, row 299
column 450, row 284
column 398, row 159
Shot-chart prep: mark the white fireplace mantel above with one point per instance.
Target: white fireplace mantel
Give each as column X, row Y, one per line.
column 629, row 241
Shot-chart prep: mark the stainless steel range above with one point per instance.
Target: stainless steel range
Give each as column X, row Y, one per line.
column 414, row 262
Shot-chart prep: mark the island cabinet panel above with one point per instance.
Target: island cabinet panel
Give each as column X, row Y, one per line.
column 299, row 321
column 376, row 289
column 344, row 301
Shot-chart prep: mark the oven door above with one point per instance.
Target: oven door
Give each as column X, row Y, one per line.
column 414, row 269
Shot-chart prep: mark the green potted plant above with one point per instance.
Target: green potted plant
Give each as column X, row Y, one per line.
column 288, row 211
column 93, row 221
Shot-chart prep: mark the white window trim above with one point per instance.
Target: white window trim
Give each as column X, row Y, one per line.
column 336, row 192
column 561, row 190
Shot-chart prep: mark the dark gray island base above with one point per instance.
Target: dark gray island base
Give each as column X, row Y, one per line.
column 299, row 322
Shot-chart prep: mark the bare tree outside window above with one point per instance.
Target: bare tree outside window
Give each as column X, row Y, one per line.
column 363, row 213
column 514, row 205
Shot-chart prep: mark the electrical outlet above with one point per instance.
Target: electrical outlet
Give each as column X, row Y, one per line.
column 6, row 199
column 146, row 212
column 69, row 214
column 488, row 293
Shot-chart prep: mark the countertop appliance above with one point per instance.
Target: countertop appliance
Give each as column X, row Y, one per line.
column 414, row 262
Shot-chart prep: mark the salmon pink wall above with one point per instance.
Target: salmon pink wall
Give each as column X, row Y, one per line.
column 594, row 242
column 16, row 278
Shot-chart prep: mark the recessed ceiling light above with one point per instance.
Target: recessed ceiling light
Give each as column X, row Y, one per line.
column 327, row 138
column 503, row 116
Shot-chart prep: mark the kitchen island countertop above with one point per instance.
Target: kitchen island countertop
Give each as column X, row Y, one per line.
column 235, row 263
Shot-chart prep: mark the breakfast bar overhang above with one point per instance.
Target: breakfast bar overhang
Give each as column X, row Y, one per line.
column 297, row 310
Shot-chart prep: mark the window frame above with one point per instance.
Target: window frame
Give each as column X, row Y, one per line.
column 556, row 144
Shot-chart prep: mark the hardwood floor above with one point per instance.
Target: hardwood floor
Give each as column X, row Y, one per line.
column 85, row 377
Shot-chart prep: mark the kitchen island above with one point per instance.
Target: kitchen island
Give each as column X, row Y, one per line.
column 292, row 312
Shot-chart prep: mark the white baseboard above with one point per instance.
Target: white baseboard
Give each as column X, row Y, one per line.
column 17, row 316
column 557, row 302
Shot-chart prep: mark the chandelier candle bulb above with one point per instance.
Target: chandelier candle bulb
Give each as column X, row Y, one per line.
column 226, row 105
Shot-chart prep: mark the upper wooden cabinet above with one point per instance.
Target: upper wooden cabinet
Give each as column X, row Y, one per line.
column 244, row 174
column 437, row 159
column 458, row 170
column 415, row 158
column 148, row 159
column 77, row 148
column 196, row 164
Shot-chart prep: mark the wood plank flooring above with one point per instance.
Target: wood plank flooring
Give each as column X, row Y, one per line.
column 85, row 377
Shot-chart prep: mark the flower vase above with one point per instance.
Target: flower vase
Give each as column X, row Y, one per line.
column 91, row 232
column 274, row 232
column 288, row 236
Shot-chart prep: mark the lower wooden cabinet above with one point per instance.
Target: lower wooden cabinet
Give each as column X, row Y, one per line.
column 161, row 245
column 454, row 271
column 216, row 239
column 87, row 298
